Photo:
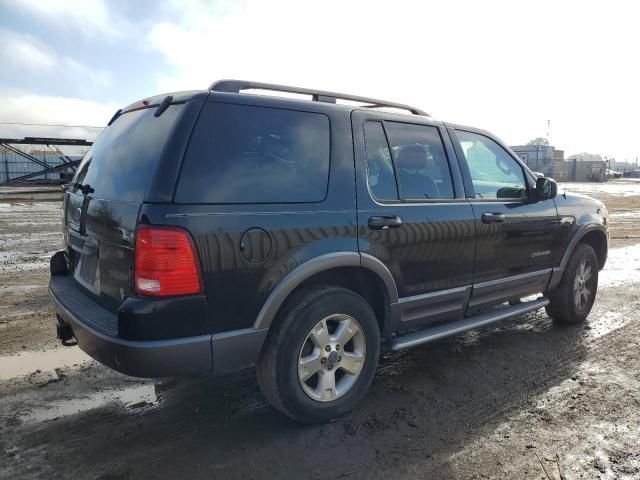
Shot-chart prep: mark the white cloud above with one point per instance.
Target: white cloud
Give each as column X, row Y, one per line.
column 505, row 66
column 25, row 55
column 84, row 75
column 24, row 51
column 90, row 16
column 29, row 108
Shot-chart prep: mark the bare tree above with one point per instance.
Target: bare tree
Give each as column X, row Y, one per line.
column 538, row 141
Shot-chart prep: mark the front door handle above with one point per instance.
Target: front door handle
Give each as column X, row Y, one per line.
column 384, row 223
column 493, row 218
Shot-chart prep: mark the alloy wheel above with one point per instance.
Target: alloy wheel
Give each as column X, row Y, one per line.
column 331, row 358
column 583, row 285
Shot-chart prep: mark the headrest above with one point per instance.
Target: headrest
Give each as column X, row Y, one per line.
column 412, row 157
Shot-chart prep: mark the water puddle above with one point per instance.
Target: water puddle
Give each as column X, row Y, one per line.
column 137, row 397
column 25, row 363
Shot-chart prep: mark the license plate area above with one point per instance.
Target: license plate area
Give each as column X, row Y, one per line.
column 87, row 263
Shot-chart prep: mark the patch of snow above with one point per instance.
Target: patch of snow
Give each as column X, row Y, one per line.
column 622, row 267
column 625, row 215
column 31, row 233
column 13, row 261
column 618, row 189
column 607, row 323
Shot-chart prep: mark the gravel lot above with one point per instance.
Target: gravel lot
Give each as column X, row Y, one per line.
column 523, row 399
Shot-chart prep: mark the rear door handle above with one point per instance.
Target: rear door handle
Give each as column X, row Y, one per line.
column 493, row 218
column 384, row 223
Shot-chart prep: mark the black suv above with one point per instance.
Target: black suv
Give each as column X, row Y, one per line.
column 210, row 231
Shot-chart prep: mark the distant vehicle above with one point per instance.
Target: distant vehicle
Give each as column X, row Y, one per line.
column 632, row 174
column 613, row 174
column 210, row 231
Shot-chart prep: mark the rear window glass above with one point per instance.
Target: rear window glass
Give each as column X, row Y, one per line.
column 422, row 166
column 380, row 172
column 247, row 154
column 123, row 158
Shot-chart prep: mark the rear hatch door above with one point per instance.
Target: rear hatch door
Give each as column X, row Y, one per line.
column 103, row 201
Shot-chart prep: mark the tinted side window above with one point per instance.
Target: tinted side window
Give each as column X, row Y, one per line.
column 494, row 173
column 380, row 175
column 246, row 154
column 422, row 166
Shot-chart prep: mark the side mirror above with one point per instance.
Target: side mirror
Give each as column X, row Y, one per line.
column 546, row 188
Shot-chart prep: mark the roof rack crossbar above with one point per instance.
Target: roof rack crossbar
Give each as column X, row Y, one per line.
column 236, row 86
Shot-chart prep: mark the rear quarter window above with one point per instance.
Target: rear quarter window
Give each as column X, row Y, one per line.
column 248, row 154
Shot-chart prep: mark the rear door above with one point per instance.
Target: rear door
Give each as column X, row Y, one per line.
column 105, row 196
column 413, row 215
column 517, row 234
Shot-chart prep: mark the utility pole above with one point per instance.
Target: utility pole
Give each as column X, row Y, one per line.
column 548, row 132
column 6, row 165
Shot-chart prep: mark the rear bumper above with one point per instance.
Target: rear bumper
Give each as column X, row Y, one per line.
column 93, row 328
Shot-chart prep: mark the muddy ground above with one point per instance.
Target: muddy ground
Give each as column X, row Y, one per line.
column 524, row 399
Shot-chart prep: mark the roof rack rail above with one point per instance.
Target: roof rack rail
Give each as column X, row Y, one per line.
column 236, row 86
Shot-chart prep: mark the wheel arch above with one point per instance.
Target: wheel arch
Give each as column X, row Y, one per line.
column 598, row 241
column 361, row 273
column 594, row 235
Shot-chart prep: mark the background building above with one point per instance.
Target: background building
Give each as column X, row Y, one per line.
column 549, row 161
column 539, row 158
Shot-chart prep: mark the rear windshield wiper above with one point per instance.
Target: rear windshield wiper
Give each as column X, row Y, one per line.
column 166, row 101
column 115, row 116
column 85, row 189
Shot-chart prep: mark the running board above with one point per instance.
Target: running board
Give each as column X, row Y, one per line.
column 446, row 330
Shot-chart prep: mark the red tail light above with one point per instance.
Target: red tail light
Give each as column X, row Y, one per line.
column 166, row 262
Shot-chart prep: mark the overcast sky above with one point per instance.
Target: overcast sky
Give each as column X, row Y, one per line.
column 504, row 66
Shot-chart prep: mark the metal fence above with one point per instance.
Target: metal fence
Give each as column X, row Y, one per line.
column 13, row 165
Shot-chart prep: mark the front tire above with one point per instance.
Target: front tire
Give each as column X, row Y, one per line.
column 571, row 302
column 320, row 357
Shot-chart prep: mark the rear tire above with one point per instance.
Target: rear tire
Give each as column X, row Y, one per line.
column 571, row 302
column 306, row 369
